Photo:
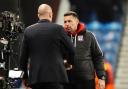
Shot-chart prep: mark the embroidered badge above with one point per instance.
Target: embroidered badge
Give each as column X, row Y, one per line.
column 80, row 38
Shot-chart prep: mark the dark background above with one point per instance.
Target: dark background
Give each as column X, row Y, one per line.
column 27, row 10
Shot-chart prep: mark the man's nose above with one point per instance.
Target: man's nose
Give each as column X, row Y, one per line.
column 67, row 24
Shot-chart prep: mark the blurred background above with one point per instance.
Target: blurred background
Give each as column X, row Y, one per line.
column 107, row 19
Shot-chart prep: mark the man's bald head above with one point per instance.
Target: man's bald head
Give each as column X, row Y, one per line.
column 45, row 12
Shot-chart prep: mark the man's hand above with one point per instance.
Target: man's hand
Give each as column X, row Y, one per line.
column 101, row 84
column 24, row 82
column 67, row 65
column 25, row 85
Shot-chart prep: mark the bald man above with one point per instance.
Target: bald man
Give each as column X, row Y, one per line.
column 44, row 44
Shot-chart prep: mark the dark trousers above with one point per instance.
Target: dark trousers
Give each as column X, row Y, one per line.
column 47, row 86
column 89, row 84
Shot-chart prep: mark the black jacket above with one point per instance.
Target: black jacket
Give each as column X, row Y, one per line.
column 42, row 45
column 89, row 57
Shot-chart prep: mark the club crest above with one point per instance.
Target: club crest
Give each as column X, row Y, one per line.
column 80, row 38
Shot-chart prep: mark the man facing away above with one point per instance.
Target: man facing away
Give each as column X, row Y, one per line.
column 42, row 44
column 88, row 57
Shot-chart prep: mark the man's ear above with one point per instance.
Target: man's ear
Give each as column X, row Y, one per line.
column 78, row 21
column 50, row 15
column 38, row 15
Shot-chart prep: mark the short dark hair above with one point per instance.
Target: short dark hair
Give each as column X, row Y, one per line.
column 74, row 14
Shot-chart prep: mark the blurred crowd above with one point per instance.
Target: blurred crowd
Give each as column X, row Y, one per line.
column 102, row 10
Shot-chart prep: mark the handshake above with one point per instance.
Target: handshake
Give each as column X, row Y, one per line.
column 67, row 65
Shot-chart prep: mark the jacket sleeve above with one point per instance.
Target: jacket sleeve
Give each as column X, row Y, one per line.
column 67, row 46
column 24, row 57
column 97, row 56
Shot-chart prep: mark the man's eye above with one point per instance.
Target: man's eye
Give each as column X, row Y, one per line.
column 69, row 21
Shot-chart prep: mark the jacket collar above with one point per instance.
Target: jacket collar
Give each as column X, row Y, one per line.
column 43, row 20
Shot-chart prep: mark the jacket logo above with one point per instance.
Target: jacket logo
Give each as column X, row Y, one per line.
column 80, row 38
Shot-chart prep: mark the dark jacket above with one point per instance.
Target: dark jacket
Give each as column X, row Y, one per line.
column 42, row 45
column 89, row 57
